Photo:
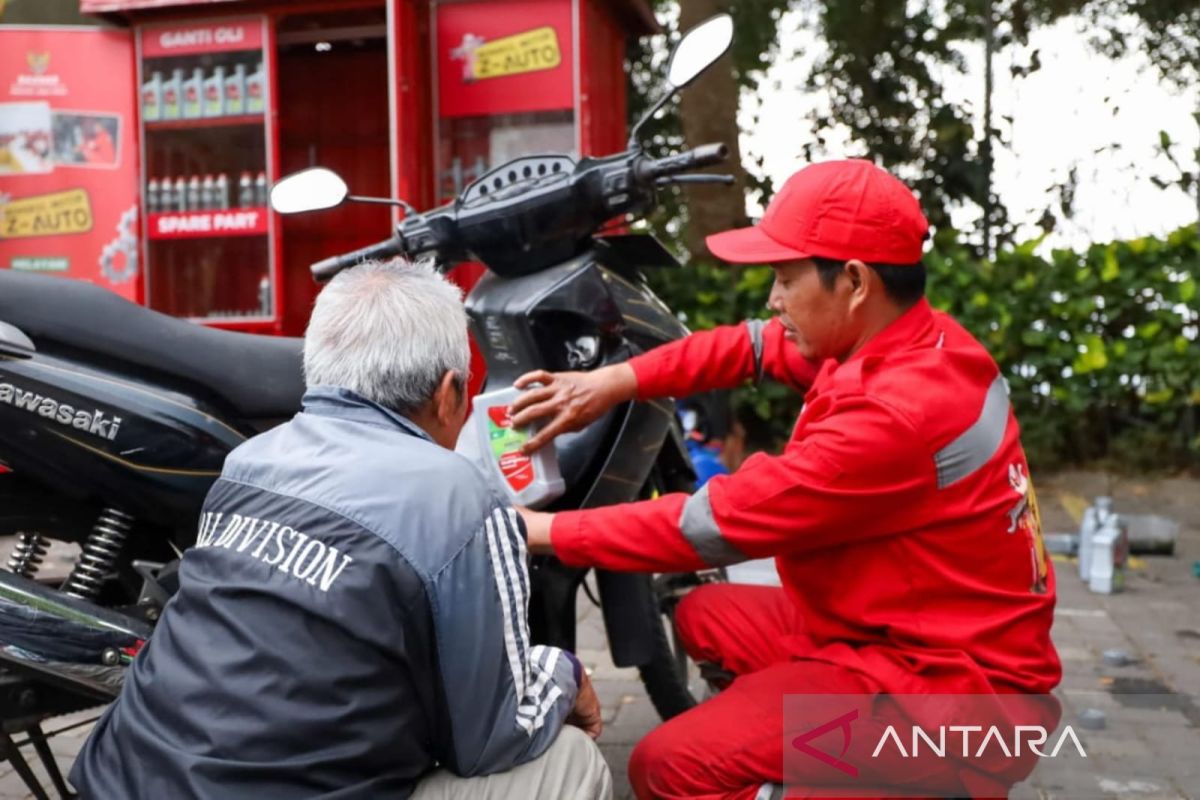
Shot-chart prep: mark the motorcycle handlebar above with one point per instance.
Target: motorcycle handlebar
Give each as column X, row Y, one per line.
column 326, row 269
column 706, row 155
column 594, row 194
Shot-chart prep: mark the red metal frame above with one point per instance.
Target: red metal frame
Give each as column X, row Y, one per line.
column 412, row 103
column 602, row 83
column 272, row 109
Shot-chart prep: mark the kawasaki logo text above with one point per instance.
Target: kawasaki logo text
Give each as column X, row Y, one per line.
column 94, row 422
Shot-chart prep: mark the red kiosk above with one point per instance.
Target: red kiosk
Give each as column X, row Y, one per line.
column 406, row 98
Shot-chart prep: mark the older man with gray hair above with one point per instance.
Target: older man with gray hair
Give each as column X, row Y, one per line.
column 352, row 620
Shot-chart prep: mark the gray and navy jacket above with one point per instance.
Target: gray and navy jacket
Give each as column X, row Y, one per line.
column 353, row 614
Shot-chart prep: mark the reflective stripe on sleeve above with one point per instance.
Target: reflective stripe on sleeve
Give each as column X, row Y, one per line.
column 755, row 328
column 975, row 446
column 701, row 531
column 769, row 791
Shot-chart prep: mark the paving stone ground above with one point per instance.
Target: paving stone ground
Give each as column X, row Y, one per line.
column 1144, row 752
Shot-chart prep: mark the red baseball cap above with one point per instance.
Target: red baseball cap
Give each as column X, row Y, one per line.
column 836, row 209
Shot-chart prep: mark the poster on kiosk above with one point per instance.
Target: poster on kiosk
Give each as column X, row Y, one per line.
column 68, row 155
column 506, row 86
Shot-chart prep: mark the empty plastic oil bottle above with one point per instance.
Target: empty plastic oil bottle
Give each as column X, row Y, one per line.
column 490, row 440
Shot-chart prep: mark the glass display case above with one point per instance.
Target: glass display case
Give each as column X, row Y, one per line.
column 206, row 170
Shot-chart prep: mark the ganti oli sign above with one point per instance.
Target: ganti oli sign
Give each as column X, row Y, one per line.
column 201, row 37
column 210, row 38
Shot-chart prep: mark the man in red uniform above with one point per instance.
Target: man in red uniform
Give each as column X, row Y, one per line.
column 900, row 514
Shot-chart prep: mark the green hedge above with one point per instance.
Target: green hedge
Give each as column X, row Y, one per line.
column 1100, row 348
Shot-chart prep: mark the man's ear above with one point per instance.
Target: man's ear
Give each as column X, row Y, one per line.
column 449, row 398
column 856, row 271
column 862, row 281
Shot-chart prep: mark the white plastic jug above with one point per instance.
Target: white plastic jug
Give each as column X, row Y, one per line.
column 1093, row 518
column 490, row 440
column 1110, row 550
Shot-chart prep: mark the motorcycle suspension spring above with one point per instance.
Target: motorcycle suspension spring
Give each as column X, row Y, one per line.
column 100, row 554
column 28, row 555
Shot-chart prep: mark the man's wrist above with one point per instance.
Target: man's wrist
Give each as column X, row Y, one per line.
column 537, row 531
column 625, row 382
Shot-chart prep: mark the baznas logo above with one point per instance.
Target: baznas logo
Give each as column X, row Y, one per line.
column 94, row 422
column 38, row 62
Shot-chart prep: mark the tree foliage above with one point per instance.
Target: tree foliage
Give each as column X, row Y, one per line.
column 884, row 65
column 1167, row 31
column 882, row 72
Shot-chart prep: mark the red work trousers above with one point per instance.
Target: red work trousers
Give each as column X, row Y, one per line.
column 730, row 745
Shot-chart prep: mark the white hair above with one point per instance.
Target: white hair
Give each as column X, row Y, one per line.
column 388, row 332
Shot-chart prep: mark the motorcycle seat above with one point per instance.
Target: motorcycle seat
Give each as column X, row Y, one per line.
column 260, row 377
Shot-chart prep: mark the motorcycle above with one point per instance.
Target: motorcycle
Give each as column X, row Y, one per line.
column 115, row 420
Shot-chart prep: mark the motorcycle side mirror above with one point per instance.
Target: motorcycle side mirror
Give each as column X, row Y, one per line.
column 699, row 48
column 310, row 189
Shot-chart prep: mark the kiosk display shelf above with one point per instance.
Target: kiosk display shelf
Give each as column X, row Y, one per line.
column 206, row 169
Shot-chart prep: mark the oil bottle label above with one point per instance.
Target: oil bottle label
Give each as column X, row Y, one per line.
column 516, row 467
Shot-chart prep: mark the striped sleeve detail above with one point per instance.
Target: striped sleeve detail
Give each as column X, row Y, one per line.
column 532, row 668
column 699, row 527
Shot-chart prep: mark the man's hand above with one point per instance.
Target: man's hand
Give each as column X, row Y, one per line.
column 586, row 713
column 571, row 399
column 537, row 530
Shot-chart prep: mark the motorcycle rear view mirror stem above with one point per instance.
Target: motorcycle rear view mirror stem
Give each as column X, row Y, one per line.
column 318, row 188
column 698, row 50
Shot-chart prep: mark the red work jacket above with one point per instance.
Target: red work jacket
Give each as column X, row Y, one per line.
column 901, row 514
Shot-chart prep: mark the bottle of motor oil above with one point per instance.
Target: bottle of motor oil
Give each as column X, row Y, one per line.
column 255, row 90
column 172, row 95
column 214, row 93
column 264, row 296
column 235, row 91
column 208, row 193
column 221, row 191
column 192, row 197
column 152, row 196
column 245, row 198
column 193, row 95
column 494, row 444
column 261, row 190
column 152, row 97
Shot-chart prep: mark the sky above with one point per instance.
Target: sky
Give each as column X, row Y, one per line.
column 1060, row 118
